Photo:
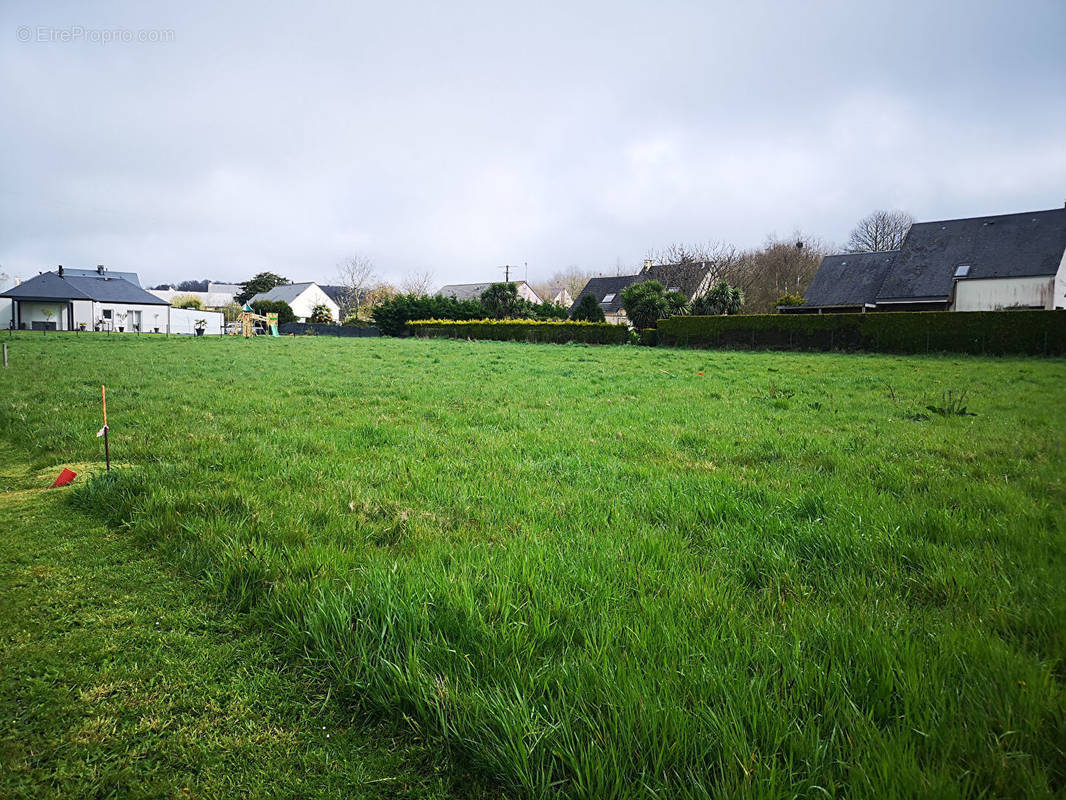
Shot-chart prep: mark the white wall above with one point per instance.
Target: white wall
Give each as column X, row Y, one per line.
column 1060, row 284
column 996, row 293
column 310, row 297
column 527, row 293
column 92, row 314
column 32, row 311
column 183, row 320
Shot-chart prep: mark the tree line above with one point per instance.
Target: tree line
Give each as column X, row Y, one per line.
column 765, row 277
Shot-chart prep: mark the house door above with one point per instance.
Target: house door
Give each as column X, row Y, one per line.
column 135, row 320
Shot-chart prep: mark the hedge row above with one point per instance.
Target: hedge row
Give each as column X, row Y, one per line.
column 523, row 331
column 316, row 329
column 976, row 332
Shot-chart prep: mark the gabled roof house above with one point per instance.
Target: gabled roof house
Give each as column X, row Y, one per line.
column 473, row 291
column 559, row 295
column 302, row 299
column 972, row 264
column 72, row 299
column 692, row 279
column 608, row 292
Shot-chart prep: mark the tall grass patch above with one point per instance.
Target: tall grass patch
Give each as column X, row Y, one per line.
column 597, row 572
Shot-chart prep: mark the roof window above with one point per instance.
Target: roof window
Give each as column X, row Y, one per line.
column 608, row 297
column 962, row 270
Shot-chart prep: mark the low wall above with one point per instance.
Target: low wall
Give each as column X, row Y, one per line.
column 312, row 329
column 183, row 320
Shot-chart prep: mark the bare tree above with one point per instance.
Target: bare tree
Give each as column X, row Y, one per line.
column 778, row 267
column 356, row 274
column 880, row 231
column 683, row 253
column 416, row 282
column 573, row 278
column 692, row 268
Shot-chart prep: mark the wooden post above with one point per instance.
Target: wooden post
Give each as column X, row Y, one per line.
column 107, row 449
column 5, row 354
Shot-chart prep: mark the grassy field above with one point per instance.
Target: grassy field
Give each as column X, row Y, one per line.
column 599, row 573
column 119, row 678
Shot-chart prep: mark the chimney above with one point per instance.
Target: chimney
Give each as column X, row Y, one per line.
column 60, row 270
column 100, row 268
column 647, row 264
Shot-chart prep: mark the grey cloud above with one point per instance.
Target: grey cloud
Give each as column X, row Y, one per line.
column 455, row 137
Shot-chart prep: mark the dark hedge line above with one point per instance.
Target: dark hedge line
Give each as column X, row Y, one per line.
column 523, row 331
column 315, row 329
column 975, row 332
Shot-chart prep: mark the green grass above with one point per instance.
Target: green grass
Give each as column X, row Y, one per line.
column 120, row 679
column 594, row 572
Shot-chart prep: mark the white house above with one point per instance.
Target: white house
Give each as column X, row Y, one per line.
column 559, row 295
column 302, row 299
column 80, row 299
column 973, row 264
column 73, row 299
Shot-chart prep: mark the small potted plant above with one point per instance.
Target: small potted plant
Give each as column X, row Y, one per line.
column 48, row 314
column 200, row 326
column 81, row 326
column 121, row 316
column 156, row 328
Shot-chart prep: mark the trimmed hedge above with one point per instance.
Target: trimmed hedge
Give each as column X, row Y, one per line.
column 975, row 332
column 510, row 330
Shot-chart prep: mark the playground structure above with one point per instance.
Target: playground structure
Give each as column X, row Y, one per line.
column 246, row 322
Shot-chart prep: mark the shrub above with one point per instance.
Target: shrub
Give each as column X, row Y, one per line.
column 549, row 311
column 501, row 300
column 789, row 299
column 392, row 316
column 187, row 301
column 647, row 302
column 976, row 332
column 283, row 309
column 523, row 331
column 588, row 309
column 720, row 299
column 321, row 315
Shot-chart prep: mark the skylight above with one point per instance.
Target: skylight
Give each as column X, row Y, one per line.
column 962, row 270
column 608, row 297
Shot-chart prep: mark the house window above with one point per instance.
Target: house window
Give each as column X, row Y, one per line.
column 962, row 270
column 107, row 313
column 608, row 298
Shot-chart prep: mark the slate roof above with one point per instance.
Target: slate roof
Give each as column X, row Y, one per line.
column 850, row 279
column 287, row 292
column 601, row 287
column 688, row 278
column 1003, row 246
column 226, row 288
column 473, row 291
column 335, row 293
column 923, row 269
column 93, row 273
column 49, row 286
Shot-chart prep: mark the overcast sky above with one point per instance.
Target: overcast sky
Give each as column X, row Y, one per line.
column 456, row 137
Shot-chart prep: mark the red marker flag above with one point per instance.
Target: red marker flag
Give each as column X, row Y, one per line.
column 65, row 477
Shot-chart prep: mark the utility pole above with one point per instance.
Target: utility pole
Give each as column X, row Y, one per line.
column 506, row 272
